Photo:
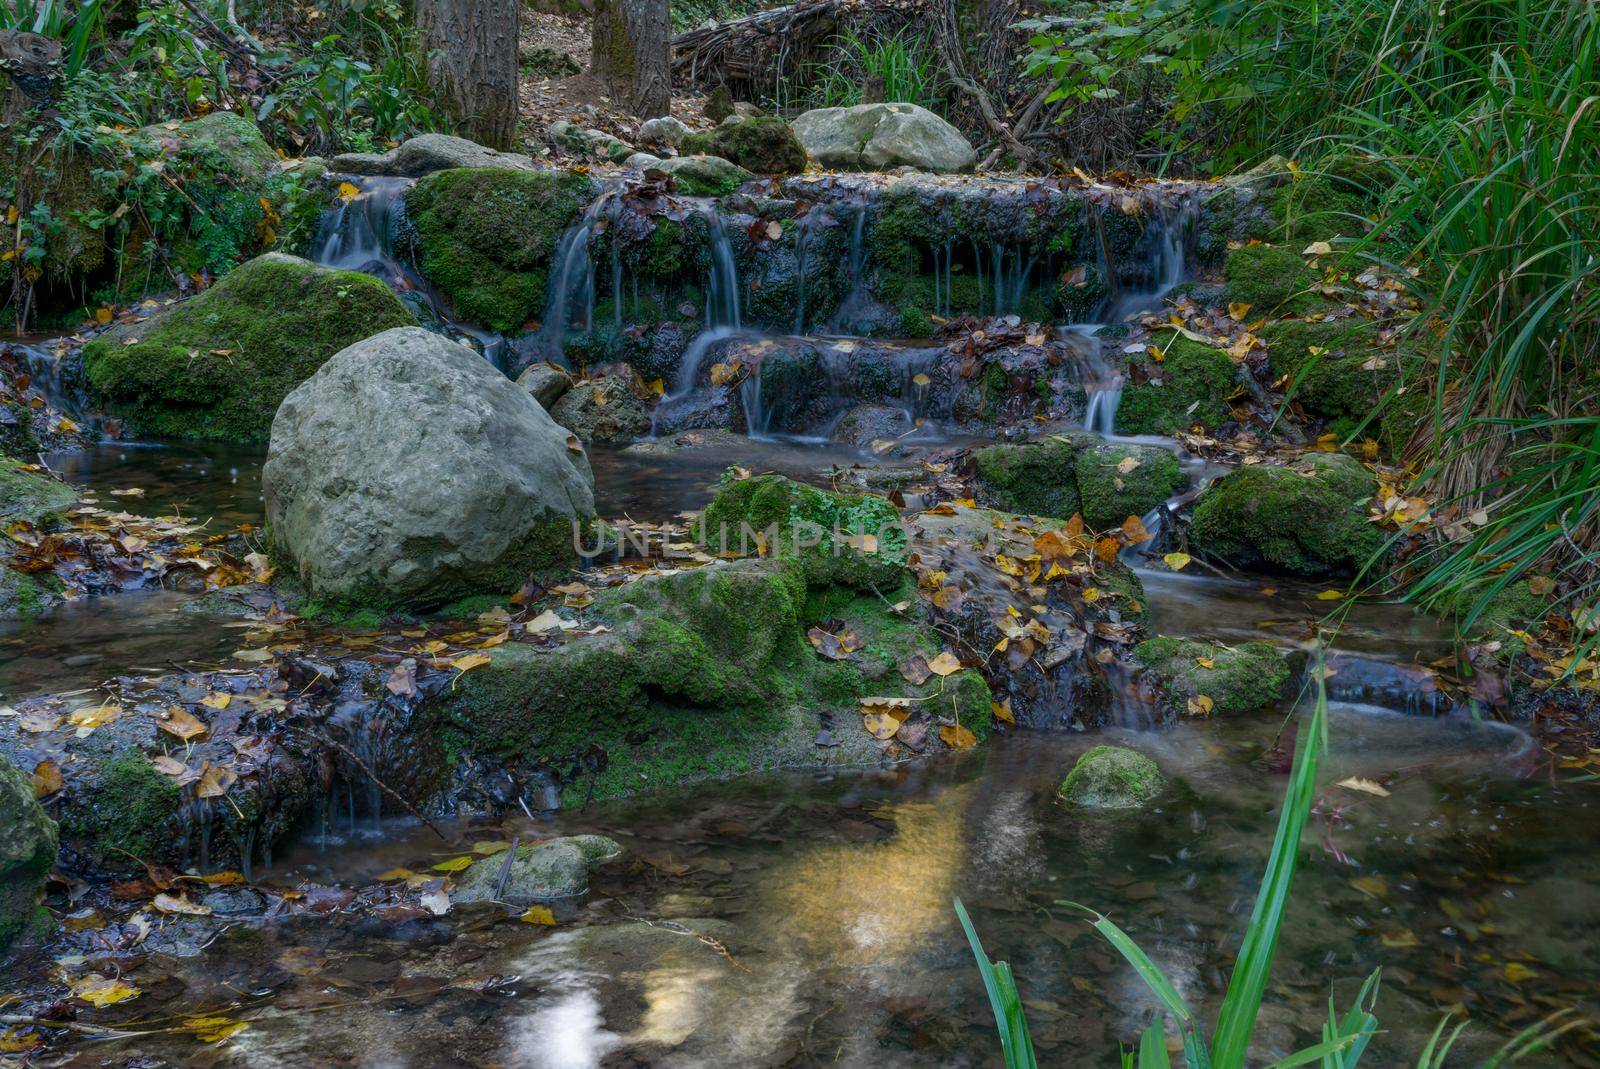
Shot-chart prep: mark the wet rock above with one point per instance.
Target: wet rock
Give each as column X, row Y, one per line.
column 642, row 161
column 427, row 153
column 1308, row 518
column 602, row 410
column 558, row 868
column 486, row 237
column 1188, row 387
column 704, row 176
column 1118, row 481
column 663, row 131
column 31, row 497
column 1236, row 679
column 546, row 382
column 876, row 137
column 595, row 143
column 234, row 901
column 864, row 424
column 408, row 472
column 218, row 364
column 1112, row 777
column 27, row 852
column 764, row 145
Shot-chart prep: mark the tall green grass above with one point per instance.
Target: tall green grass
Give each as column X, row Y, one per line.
column 1344, row 1036
column 907, row 62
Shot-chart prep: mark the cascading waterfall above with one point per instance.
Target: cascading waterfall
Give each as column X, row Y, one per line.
column 572, row 282
column 356, row 235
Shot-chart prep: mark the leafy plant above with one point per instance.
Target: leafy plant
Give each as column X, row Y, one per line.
column 1344, row 1037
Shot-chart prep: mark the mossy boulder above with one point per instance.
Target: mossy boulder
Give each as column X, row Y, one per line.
column 24, row 596
column 704, row 176
column 487, row 236
column 1341, row 371
column 218, row 365
column 1271, row 279
column 1307, row 518
column 853, row 540
column 131, row 807
column 702, row 673
column 556, row 868
column 30, row 496
column 1188, row 387
column 1118, row 481
column 764, row 144
column 1112, row 777
column 28, row 844
column 1038, row 478
column 1237, row 679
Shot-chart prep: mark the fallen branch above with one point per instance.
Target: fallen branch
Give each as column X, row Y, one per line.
column 384, row 787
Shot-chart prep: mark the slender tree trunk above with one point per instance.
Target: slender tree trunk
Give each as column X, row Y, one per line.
column 471, row 48
column 633, row 54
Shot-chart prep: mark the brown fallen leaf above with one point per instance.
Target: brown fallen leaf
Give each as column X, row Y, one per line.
column 179, row 904
column 957, row 737
column 180, row 722
column 46, row 778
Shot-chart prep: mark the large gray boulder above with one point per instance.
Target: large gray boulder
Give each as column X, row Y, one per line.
column 876, row 137
column 27, row 851
column 425, row 154
column 558, row 868
column 408, row 472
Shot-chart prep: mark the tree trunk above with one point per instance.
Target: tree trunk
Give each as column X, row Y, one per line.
column 632, row 54
column 471, row 48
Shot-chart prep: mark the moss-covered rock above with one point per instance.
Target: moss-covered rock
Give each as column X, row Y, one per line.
column 133, row 808
column 1341, row 371
column 486, row 237
column 556, row 868
column 1502, row 611
column 23, row 596
column 1112, row 777
column 853, row 540
column 31, row 496
column 218, row 365
column 27, row 852
column 764, row 144
column 703, row 673
column 1189, row 387
column 1271, row 279
column 704, row 176
column 1038, row 478
column 1307, row 518
column 1237, row 679
column 1118, row 481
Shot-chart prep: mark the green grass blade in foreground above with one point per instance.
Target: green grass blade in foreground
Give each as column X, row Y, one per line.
column 1153, row 1048
column 1237, row 1020
column 1015, row 1043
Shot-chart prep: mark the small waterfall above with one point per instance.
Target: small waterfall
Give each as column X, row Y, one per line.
column 572, row 282
column 357, row 235
column 722, row 292
column 1102, row 380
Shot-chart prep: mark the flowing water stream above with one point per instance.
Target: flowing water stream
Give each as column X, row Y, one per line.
column 805, row 920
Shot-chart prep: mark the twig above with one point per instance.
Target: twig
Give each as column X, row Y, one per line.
column 384, row 787
column 505, row 869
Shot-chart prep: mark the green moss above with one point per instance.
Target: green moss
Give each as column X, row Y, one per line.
column 1124, row 582
column 1318, row 207
column 763, row 144
column 133, row 807
column 30, row 496
column 1189, row 387
column 1308, row 518
column 1241, row 678
column 796, row 513
column 1038, row 478
column 1112, row 777
column 27, row 851
column 219, row 364
column 487, row 237
column 1271, row 279
column 472, row 606
column 1110, row 495
column 1514, row 607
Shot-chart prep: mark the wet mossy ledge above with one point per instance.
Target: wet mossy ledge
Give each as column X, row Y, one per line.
column 1201, row 678
column 1079, row 474
column 217, row 365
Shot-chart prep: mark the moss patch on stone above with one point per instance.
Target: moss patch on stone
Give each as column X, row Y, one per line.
column 1112, row 777
column 30, row 496
column 853, row 540
column 1118, row 481
column 1307, row 518
column 1189, row 387
column 132, row 809
column 27, row 852
column 1241, row 678
column 1063, row 475
column 218, row 365
column 1503, row 612
column 487, row 236
column 1271, row 279
column 764, row 144
column 1038, row 478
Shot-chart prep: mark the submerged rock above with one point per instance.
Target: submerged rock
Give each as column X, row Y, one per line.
column 1236, row 679
column 427, row 153
column 558, row 868
column 409, row 472
column 865, row 424
column 218, row 364
column 876, row 137
column 486, row 237
column 765, row 145
column 27, row 852
column 546, row 382
column 1112, row 777
column 602, row 410
column 1308, row 518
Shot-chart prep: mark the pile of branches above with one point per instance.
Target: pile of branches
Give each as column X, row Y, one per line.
column 757, row 56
